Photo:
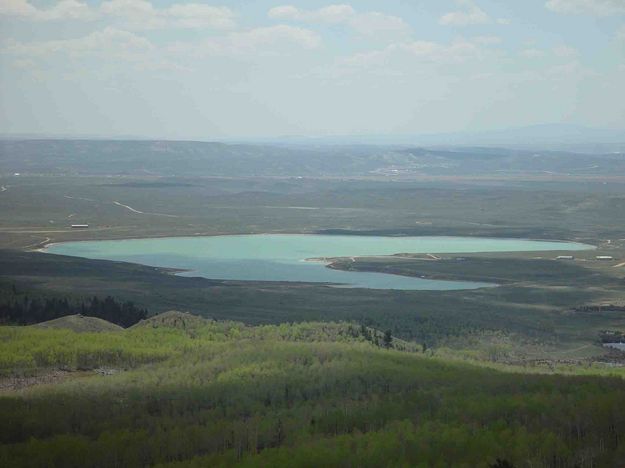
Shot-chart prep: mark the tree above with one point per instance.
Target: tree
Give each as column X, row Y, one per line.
column 499, row 463
column 29, row 311
column 388, row 339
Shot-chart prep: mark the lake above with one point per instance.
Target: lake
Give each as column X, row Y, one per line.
column 281, row 257
column 619, row 346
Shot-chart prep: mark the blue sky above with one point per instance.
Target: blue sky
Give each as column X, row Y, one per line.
column 210, row 70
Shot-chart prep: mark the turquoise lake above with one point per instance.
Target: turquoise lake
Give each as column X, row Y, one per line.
column 280, row 257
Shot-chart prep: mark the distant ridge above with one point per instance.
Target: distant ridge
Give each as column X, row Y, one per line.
column 80, row 323
column 545, row 136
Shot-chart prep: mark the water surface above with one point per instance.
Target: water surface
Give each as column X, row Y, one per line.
column 280, row 257
column 619, row 346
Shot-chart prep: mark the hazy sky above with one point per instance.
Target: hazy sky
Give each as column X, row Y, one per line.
column 265, row 68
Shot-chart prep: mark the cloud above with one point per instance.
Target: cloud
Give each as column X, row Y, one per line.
column 424, row 52
column 141, row 14
column 132, row 14
column 573, row 69
column 591, row 7
column 565, row 51
column 129, row 9
column 281, row 34
column 63, row 10
column 121, row 45
column 109, row 41
column 561, row 51
column 468, row 15
column 265, row 40
column 620, row 34
column 404, row 61
column 532, row 53
column 194, row 15
column 457, row 52
column 329, row 14
column 109, row 45
column 369, row 23
column 374, row 23
column 487, row 40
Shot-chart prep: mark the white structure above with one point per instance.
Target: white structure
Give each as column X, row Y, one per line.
column 80, row 226
column 604, row 257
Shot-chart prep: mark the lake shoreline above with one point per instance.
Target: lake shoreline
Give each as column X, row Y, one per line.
column 44, row 245
column 280, row 257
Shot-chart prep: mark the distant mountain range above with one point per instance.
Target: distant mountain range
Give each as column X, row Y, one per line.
column 576, row 138
column 547, row 136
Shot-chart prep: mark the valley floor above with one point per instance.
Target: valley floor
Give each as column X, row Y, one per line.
column 303, row 374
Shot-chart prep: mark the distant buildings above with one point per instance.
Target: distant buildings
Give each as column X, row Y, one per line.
column 80, row 226
column 604, row 257
column 565, row 257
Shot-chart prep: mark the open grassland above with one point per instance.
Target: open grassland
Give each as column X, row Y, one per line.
column 37, row 210
column 220, row 394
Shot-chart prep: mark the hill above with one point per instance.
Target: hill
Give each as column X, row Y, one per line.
column 172, row 319
column 80, row 323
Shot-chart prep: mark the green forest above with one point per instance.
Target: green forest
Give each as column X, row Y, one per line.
column 178, row 390
column 25, row 310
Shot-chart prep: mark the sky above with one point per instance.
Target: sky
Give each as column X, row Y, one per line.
column 230, row 69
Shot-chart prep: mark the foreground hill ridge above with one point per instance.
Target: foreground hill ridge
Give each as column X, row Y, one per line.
column 309, row 331
column 187, row 325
